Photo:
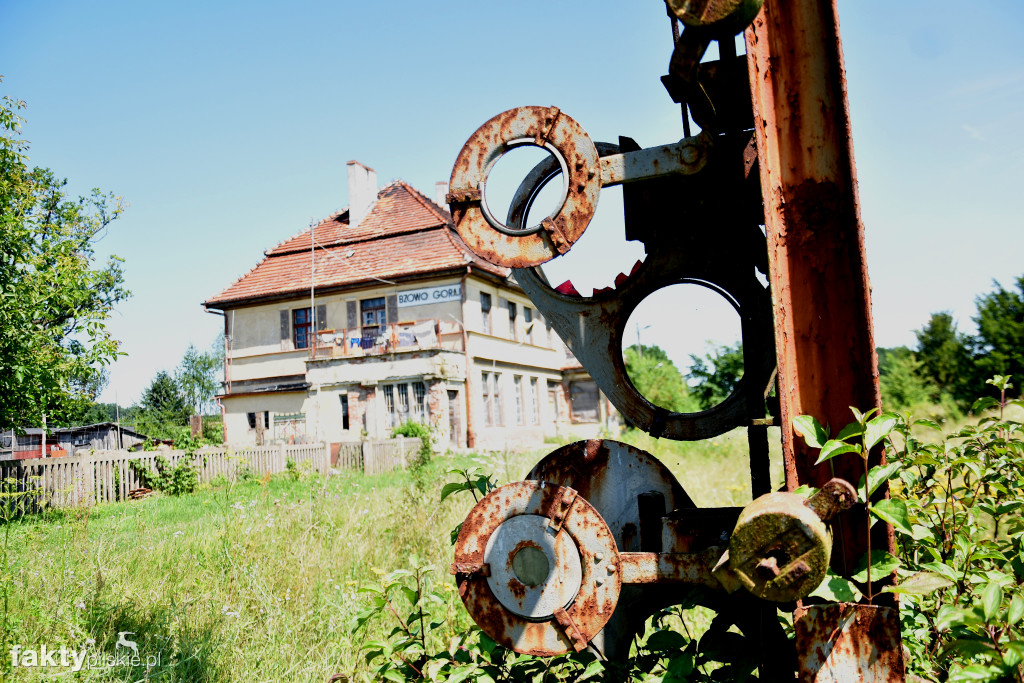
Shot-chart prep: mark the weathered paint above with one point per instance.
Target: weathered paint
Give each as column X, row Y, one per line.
column 820, row 289
column 544, row 127
column 844, row 643
column 599, row 582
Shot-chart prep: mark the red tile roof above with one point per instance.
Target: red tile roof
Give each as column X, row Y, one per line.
column 404, row 234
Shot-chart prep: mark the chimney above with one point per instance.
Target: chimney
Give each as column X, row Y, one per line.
column 441, row 194
column 362, row 192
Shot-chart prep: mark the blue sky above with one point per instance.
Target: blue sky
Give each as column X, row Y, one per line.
column 227, row 126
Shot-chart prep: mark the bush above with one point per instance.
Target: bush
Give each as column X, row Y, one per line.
column 417, row 430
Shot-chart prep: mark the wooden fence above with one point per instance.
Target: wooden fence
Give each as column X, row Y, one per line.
column 375, row 457
column 108, row 476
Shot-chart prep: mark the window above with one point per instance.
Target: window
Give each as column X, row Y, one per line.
column 485, row 395
column 535, row 398
column 583, row 397
column 374, row 316
column 419, row 404
column 399, row 410
column 527, row 322
column 485, row 312
column 389, row 405
column 344, row 411
column 252, row 420
column 513, row 333
column 302, row 328
column 499, row 418
column 403, row 403
column 490, row 392
column 517, row 388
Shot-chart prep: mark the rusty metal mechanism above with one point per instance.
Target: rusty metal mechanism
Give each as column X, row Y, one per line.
column 543, row 568
column 600, row 535
column 537, row 568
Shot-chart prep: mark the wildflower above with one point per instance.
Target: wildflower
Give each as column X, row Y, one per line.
column 80, row 605
column 179, row 533
column 90, row 641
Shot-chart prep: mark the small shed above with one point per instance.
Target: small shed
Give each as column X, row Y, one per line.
column 103, row 436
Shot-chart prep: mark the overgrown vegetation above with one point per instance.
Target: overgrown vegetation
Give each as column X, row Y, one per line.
column 956, row 508
column 54, row 299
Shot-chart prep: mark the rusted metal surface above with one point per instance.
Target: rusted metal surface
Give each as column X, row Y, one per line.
column 696, row 205
column 779, row 549
column 690, row 568
column 731, row 16
column 837, row 495
column 843, row 643
column 583, row 581
column 569, row 144
column 822, row 297
column 612, row 475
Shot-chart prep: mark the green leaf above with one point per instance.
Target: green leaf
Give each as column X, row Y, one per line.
column 928, row 423
column 984, row 403
column 837, row 589
column 593, row 669
column 814, row 434
column 452, row 487
column 894, row 512
column 1016, row 610
column 659, row 641
column 951, row 617
column 1013, row 653
column 991, row 599
column 460, row 674
column 833, row 448
column 878, row 475
column 882, row 564
column 921, row 583
column 850, row 430
column 879, row 428
column 968, row 646
column 976, row 672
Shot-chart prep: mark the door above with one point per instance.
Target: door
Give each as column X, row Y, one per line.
column 454, row 418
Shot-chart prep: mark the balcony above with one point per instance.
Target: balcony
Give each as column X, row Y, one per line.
column 385, row 339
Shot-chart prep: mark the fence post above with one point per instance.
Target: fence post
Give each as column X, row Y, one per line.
column 88, row 470
column 283, row 459
column 401, row 450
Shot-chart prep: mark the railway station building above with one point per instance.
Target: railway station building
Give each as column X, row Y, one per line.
column 379, row 314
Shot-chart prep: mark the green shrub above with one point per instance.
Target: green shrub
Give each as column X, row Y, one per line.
column 417, row 430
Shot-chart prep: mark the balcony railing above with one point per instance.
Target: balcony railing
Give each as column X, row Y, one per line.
column 383, row 339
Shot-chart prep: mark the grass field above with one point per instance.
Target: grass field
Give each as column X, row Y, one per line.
column 259, row 581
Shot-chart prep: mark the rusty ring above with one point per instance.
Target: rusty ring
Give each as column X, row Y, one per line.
column 510, row 145
column 545, row 127
column 652, row 275
column 569, row 628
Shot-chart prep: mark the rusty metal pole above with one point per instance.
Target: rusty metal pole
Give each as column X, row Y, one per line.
column 821, row 298
column 821, row 295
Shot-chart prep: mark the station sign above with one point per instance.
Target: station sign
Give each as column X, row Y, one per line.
column 430, row 295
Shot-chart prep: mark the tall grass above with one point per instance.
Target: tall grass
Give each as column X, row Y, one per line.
column 259, row 581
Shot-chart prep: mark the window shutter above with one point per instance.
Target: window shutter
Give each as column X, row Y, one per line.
column 321, row 317
column 392, row 308
column 352, row 310
column 286, row 331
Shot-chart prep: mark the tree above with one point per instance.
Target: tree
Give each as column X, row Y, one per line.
column 196, row 377
column 162, row 408
column 999, row 344
column 657, row 378
column 945, row 357
column 715, row 376
column 903, row 381
column 54, row 299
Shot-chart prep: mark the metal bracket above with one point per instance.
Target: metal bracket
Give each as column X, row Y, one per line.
column 564, row 619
